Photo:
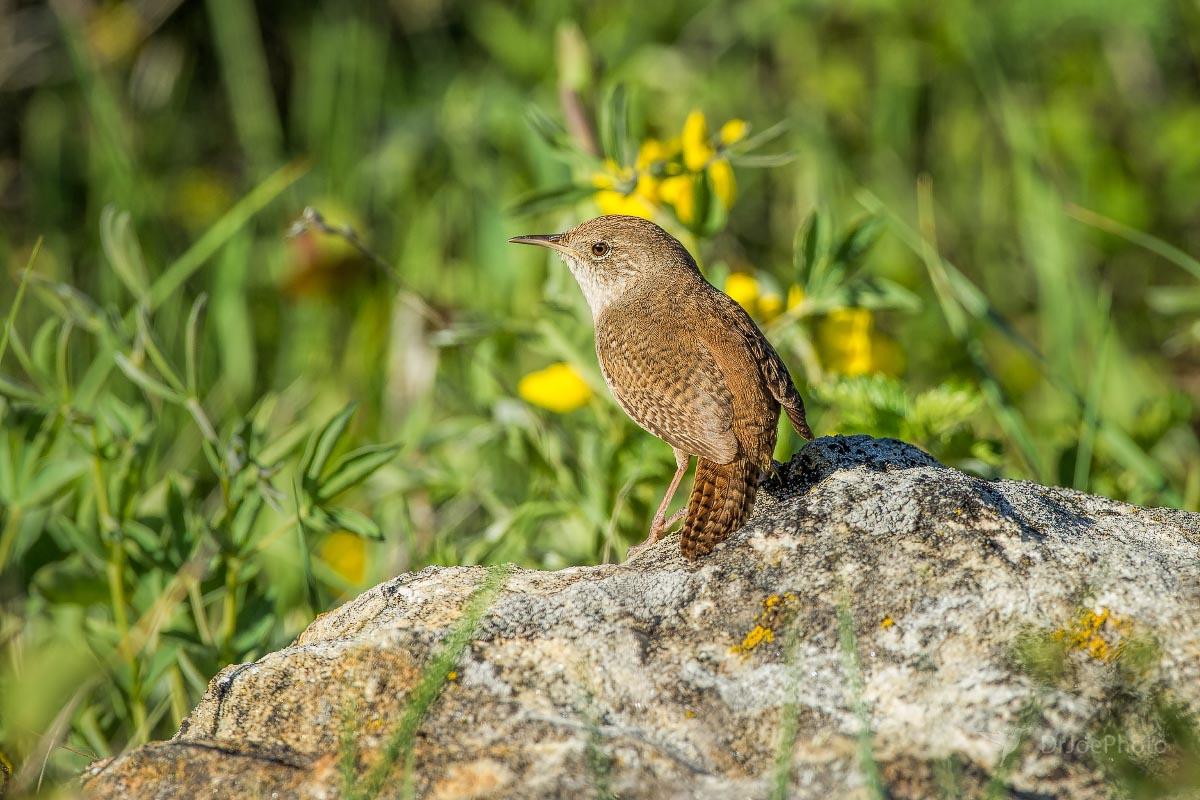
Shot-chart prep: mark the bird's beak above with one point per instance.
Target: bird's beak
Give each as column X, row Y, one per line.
column 551, row 240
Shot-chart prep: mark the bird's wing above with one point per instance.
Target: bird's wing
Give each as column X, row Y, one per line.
column 671, row 386
column 775, row 375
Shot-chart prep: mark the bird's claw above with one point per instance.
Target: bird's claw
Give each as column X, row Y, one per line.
column 658, row 529
column 771, row 473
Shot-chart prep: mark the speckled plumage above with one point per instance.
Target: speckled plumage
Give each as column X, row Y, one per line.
column 686, row 362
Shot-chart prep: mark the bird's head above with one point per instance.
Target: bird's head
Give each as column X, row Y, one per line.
column 614, row 255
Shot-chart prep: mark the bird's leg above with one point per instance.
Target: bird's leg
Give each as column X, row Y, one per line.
column 678, row 515
column 661, row 523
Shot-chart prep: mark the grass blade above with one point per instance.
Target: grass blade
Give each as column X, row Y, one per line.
column 1152, row 243
column 355, row 468
column 433, row 679
column 851, row 663
column 223, row 230
column 316, row 455
column 247, row 82
column 16, row 304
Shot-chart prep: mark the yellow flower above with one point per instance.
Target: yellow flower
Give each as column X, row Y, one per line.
column 559, row 388
column 850, row 345
column 699, row 154
column 743, row 288
column 346, row 554
column 680, row 192
column 749, row 294
column 696, row 148
column 720, row 174
column 844, row 339
column 769, row 306
column 795, row 296
column 652, row 156
column 733, row 131
column 611, row 202
column 656, row 150
column 618, row 192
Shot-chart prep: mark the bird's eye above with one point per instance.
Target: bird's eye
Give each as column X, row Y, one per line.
column 600, row 249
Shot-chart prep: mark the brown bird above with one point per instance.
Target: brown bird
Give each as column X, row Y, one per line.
column 687, row 363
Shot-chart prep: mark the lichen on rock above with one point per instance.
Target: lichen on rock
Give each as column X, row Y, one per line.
column 647, row 679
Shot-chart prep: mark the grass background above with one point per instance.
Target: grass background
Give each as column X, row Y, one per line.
column 182, row 483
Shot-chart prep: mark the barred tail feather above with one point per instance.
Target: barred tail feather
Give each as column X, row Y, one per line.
column 795, row 413
column 722, row 496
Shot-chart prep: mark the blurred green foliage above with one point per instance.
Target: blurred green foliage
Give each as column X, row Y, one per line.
column 980, row 243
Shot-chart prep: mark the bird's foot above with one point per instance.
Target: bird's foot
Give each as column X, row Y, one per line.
column 637, row 549
column 771, row 474
column 657, row 529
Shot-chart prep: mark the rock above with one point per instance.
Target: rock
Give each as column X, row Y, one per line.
column 883, row 624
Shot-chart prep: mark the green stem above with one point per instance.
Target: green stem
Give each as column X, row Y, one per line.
column 233, row 566
column 116, row 586
column 11, row 525
column 116, row 589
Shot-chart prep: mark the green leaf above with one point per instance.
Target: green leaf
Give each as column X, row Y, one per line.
column 142, row 379
column 757, row 140
column 15, row 391
column 190, row 344
column 150, row 343
column 254, row 636
column 614, row 125
column 321, row 444
column 548, row 129
column 8, row 469
column 282, row 445
column 861, row 238
column 70, row 303
column 761, row 160
column 121, row 248
column 51, row 480
column 71, row 582
column 41, row 349
column 347, row 519
column 870, row 292
column 213, row 457
column 222, row 231
column 808, row 250
column 546, row 199
column 143, row 536
column 354, row 468
column 1174, row 299
column 62, row 356
column 244, row 519
column 177, row 503
column 310, row 582
column 79, row 542
column 16, row 303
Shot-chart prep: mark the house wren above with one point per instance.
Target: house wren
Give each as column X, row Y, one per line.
column 687, row 363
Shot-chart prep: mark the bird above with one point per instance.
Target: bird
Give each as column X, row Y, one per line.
column 687, row 364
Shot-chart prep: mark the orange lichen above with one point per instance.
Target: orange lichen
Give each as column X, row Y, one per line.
column 774, row 608
column 1097, row 632
column 757, row 635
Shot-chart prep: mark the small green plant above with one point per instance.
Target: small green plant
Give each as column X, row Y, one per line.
column 174, row 585
column 399, row 747
column 852, row 667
